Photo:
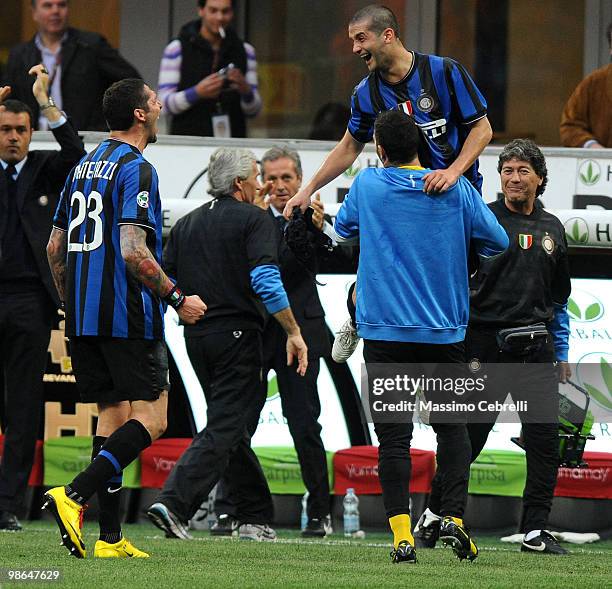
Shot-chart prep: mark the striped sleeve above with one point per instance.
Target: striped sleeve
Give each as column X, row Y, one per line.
column 174, row 101
column 140, row 194
column 60, row 219
column 471, row 102
column 251, row 105
column 361, row 123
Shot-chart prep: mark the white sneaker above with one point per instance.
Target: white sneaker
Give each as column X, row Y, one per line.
column 257, row 532
column 345, row 342
column 427, row 529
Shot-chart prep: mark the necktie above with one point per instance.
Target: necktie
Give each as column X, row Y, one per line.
column 10, row 172
column 6, row 200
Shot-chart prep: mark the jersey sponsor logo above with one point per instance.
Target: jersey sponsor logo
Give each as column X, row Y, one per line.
column 548, row 244
column 433, row 129
column 425, row 102
column 406, row 107
column 525, row 240
column 142, row 199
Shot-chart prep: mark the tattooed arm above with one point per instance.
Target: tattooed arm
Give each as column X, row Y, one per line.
column 144, row 267
column 140, row 261
column 56, row 255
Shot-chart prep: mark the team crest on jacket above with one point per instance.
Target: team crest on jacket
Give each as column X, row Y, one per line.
column 525, row 240
column 548, row 244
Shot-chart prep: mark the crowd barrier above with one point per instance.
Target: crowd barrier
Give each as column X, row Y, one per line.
column 582, row 496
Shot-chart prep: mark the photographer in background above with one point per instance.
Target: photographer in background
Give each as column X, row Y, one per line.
column 208, row 76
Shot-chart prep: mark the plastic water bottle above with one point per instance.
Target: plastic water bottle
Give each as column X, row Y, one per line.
column 351, row 512
column 304, row 518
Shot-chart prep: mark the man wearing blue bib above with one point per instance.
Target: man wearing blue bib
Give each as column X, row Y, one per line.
column 416, row 313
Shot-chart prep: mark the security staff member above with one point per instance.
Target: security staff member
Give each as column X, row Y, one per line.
column 226, row 251
column 281, row 166
column 30, row 182
column 527, row 285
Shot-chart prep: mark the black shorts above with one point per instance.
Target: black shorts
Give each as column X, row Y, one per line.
column 113, row 369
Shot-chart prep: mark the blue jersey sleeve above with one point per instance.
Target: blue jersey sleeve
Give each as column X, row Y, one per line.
column 347, row 219
column 471, row 103
column 267, row 284
column 140, row 188
column 60, row 219
column 361, row 123
column 488, row 236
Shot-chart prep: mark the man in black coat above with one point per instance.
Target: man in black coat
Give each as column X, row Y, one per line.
column 30, row 183
column 81, row 65
column 299, row 395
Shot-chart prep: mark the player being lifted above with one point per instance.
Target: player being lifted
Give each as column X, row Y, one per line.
column 438, row 92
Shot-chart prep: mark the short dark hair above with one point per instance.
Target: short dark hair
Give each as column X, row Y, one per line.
column 119, row 103
column 380, row 18
column 398, row 135
column 35, row 1
column 17, row 107
column 525, row 150
column 202, row 3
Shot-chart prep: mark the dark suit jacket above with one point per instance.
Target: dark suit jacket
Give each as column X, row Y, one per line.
column 89, row 66
column 38, row 187
column 300, row 285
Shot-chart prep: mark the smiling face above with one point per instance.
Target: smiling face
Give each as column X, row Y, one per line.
column 284, row 178
column 519, row 183
column 51, row 16
column 368, row 45
column 15, row 136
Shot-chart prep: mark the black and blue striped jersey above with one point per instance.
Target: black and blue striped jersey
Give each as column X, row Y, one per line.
column 440, row 95
column 111, row 186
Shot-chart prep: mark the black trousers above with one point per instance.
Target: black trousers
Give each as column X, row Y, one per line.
column 541, row 439
column 453, row 455
column 301, row 408
column 25, row 327
column 229, row 367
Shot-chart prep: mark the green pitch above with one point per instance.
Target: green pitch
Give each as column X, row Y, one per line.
column 292, row 562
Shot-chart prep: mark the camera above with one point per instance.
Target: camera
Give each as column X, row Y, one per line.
column 225, row 70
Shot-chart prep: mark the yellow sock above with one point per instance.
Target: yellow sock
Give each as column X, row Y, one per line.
column 400, row 526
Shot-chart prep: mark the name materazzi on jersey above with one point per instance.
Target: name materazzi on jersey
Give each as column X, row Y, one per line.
column 101, row 169
column 142, row 199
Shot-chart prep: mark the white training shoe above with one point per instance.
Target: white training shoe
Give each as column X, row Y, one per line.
column 345, row 342
column 427, row 529
column 257, row 532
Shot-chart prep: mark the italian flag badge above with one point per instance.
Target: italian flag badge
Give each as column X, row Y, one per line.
column 525, row 240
